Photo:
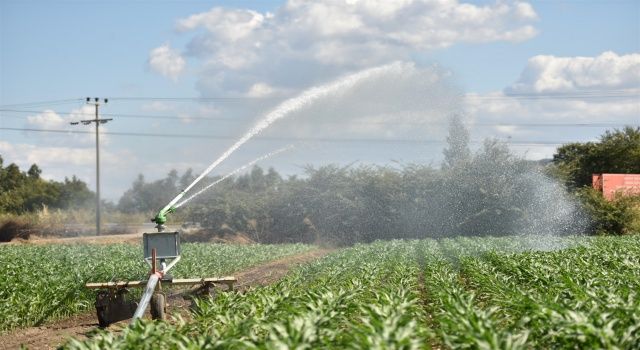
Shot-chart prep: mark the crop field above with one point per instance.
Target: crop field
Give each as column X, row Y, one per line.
column 479, row 293
column 41, row 283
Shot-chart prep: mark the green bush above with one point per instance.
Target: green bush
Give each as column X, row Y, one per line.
column 25, row 191
column 618, row 216
column 618, row 151
column 490, row 192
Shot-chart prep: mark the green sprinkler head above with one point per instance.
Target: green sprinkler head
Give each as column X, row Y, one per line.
column 161, row 217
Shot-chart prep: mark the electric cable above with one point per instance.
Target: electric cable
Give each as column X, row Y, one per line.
column 242, row 119
column 40, row 103
column 290, row 139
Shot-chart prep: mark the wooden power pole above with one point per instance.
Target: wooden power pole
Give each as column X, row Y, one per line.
column 97, row 121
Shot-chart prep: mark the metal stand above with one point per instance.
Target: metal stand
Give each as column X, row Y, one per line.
column 112, row 302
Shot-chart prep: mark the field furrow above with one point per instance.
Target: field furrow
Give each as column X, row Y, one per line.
column 476, row 293
column 41, row 283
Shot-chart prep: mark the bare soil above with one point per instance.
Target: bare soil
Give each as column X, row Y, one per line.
column 56, row 333
column 133, row 238
column 272, row 271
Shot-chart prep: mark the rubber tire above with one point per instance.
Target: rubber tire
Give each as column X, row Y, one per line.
column 103, row 321
column 158, row 307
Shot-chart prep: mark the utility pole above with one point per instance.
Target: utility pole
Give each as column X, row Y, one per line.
column 97, row 121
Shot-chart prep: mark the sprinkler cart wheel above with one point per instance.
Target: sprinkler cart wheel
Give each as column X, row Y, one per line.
column 102, row 300
column 158, row 307
column 103, row 321
column 161, row 253
column 113, row 306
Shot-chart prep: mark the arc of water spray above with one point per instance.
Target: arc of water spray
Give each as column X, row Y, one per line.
column 286, row 108
column 268, row 155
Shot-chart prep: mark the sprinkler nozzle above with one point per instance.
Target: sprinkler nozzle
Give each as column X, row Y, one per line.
column 161, row 217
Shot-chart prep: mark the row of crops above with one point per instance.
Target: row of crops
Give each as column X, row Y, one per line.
column 41, row 283
column 582, row 297
column 485, row 293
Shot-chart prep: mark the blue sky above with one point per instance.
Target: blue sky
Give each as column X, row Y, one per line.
column 268, row 51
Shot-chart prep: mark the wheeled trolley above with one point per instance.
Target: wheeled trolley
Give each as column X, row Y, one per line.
column 161, row 252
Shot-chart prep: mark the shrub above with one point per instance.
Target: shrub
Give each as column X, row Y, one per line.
column 13, row 229
column 618, row 216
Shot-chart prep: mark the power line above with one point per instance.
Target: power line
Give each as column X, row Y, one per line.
column 540, row 98
column 195, row 99
column 586, row 94
column 581, row 94
column 266, row 138
column 41, row 103
column 576, row 92
column 142, row 116
column 168, row 117
column 610, row 92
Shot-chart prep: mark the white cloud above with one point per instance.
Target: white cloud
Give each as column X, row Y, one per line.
column 582, row 95
column 505, row 108
column 60, row 162
column 156, row 106
column 187, row 114
column 166, row 61
column 534, row 153
column 44, row 156
column 229, row 25
column 305, row 42
column 52, row 159
column 208, row 111
column 551, row 74
column 557, row 89
column 260, row 90
column 185, row 118
column 50, row 120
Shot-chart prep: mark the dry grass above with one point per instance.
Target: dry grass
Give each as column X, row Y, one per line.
column 66, row 223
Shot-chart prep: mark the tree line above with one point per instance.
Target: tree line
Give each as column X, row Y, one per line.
column 25, row 191
column 487, row 192
column 617, row 151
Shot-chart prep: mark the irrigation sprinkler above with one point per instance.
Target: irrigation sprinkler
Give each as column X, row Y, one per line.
column 161, row 218
column 161, row 253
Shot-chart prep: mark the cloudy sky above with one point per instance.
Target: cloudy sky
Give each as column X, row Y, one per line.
column 370, row 81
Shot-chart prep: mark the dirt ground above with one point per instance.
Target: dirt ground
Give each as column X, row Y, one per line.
column 51, row 335
column 135, row 238
column 106, row 239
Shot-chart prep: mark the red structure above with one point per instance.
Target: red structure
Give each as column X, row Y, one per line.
column 610, row 184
